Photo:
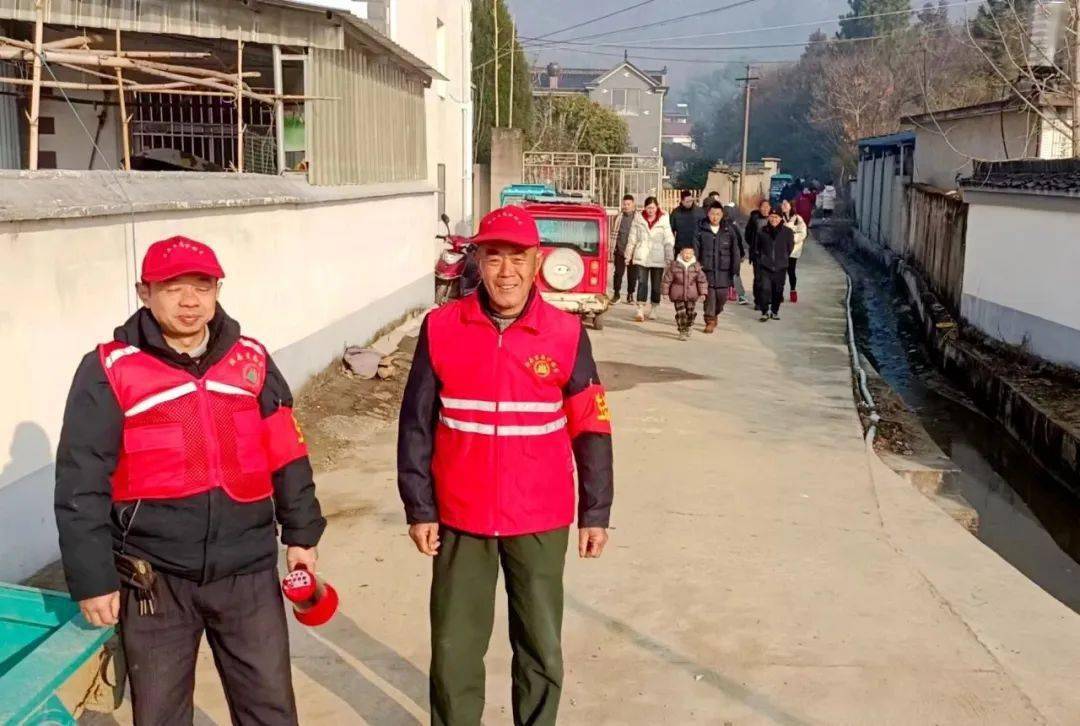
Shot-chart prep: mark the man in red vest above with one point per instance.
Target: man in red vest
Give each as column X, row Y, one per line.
column 503, row 399
column 180, row 457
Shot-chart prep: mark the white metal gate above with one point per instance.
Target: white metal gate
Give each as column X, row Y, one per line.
column 567, row 171
column 616, row 175
column 605, row 178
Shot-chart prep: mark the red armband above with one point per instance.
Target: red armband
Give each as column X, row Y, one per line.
column 284, row 439
column 588, row 412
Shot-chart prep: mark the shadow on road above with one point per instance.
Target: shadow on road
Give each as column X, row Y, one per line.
column 618, row 376
column 758, row 702
column 327, row 667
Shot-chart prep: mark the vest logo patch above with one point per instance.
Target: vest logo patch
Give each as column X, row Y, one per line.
column 251, row 374
column 603, row 413
column 542, row 365
column 299, row 432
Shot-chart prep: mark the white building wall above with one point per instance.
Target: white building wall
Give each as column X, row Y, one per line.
column 304, row 279
column 944, row 151
column 1020, row 269
column 449, row 103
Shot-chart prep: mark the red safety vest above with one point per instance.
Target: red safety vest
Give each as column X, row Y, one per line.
column 503, row 463
column 185, row 435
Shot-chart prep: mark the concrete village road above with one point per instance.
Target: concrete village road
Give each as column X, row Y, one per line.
column 763, row 568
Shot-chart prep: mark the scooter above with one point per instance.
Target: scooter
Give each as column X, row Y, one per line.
column 456, row 274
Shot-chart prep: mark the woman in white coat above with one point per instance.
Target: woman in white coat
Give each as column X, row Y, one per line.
column 798, row 227
column 651, row 250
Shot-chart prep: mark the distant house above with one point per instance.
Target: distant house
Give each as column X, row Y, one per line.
column 636, row 95
column 678, row 128
column 1022, row 254
column 950, row 141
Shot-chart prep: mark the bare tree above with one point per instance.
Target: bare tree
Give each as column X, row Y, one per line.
column 1016, row 40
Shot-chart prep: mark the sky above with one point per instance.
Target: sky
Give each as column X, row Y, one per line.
column 538, row 17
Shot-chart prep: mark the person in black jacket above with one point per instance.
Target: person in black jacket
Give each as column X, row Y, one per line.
column 685, row 219
column 775, row 243
column 716, row 247
column 729, row 217
column 757, row 220
column 214, row 556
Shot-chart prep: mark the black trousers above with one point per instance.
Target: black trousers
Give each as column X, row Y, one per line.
column 715, row 301
column 465, row 573
column 791, row 263
column 647, row 276
column 769, row 289
column 243, row 617
column 631, row 273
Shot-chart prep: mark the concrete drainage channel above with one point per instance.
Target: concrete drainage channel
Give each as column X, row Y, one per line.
column 933, row 435
column 924, row 466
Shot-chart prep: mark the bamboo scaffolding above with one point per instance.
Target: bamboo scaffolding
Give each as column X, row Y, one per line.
column 35, row 93
column 125, row 120
column 239, row 106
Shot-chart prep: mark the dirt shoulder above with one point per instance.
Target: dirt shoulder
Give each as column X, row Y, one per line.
column 336, row 409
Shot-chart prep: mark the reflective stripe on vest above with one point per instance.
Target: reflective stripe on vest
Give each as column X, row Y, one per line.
column 496, row 407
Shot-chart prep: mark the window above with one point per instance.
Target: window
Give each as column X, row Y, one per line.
column 626, row 100
column 580, row 235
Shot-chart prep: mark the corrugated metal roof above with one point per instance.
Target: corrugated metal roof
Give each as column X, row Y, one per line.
column 261, row 21
column 897, row 139
column 269, row 22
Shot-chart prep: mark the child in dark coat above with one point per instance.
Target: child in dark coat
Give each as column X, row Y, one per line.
column 685, row 284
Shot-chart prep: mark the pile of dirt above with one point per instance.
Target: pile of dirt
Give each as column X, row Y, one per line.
column 336, row 409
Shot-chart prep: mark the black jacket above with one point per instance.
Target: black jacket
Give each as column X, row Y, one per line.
column 718, row 253
column 416, row 441
column 753, row 226
column 201, row 538
column 774, row 247
column 684, row 224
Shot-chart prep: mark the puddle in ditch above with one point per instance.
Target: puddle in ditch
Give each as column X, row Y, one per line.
column 1025, row 514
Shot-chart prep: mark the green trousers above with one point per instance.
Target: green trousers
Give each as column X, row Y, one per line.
column 466, row 572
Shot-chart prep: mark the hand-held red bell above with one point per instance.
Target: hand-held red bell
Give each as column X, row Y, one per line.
column 314, row 601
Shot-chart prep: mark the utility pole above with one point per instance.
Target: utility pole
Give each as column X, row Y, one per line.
column 746, row 131
column 1074, row 24
column 495, row 19
column 513, row 52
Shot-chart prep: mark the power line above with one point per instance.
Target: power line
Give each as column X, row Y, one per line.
column 756, row 46
column 595, row 20
column 809, row 24
column 665, row 21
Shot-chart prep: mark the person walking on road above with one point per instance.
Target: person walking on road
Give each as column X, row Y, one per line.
column 651, row 252
column 827, row 200
column 717, row 248
column 178, row 461
column 503, row 398
column 775, row 243
column 685, row 284
column 628, row 217
column 729, row 217
column 685, row 219
column 804, row 206
column 754, row 224
column 799, row 230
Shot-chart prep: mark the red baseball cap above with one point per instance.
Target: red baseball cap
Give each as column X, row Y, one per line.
column 176, row 256
column 510, row 225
